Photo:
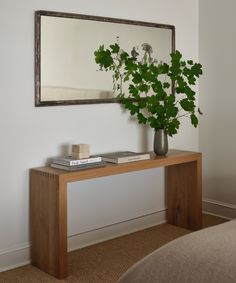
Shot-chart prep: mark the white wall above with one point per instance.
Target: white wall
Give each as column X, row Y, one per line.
column 218, row 102
column 30, row 135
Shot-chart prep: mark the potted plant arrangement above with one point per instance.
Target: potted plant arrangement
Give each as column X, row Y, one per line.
column 159, row 93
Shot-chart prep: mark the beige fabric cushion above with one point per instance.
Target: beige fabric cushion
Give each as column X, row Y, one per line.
column 205, row 256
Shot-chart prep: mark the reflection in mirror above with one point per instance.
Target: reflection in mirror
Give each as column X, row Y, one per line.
column 65, row 68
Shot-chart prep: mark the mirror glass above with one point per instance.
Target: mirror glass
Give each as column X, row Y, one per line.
column 65, row 68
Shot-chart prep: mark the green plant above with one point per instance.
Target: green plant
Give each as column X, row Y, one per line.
column 159, row 93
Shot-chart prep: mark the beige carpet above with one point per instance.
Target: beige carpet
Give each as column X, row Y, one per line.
column 105, row 262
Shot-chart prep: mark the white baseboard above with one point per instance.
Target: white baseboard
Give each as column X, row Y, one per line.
column 20, row 255
column 219, row 208
column 112, row 231
column 14, row 257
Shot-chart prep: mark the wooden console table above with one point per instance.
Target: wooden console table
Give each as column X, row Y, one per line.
column 48, row 202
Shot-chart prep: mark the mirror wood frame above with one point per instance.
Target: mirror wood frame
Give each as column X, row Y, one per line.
column 39, row 14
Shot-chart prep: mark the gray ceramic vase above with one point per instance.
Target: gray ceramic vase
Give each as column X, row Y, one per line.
column 160, row 142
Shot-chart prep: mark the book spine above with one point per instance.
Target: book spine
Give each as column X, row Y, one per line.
column 78, row 162
column 133, row 158
column 79, row 167
column 120, row 160
column 106, row 159
column 85, row 161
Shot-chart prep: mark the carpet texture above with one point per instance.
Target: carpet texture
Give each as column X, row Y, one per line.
column 107, row 261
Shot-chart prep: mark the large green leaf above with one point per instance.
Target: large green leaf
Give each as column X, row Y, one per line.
column 144, row 88
column 187, row 105
column 172, row 127
column 104, row 58
column 194, row 120
column 133, row 91
column 115, row 48
column 141, row 118
column 137, row 78
column 171, row 111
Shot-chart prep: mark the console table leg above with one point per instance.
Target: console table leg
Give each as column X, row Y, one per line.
column 48, row 205
column 184, row 195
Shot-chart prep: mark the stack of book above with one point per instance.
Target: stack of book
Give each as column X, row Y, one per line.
column 70, row 164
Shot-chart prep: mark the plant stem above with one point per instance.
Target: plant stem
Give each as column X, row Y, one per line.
column 184, row 115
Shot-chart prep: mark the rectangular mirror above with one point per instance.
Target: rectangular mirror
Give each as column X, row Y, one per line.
column 65, row 68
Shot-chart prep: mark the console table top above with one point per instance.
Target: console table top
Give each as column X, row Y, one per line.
column 172, row 158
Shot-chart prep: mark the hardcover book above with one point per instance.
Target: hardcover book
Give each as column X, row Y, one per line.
column 124, row 156
column 69, row 161
column 79, row 167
